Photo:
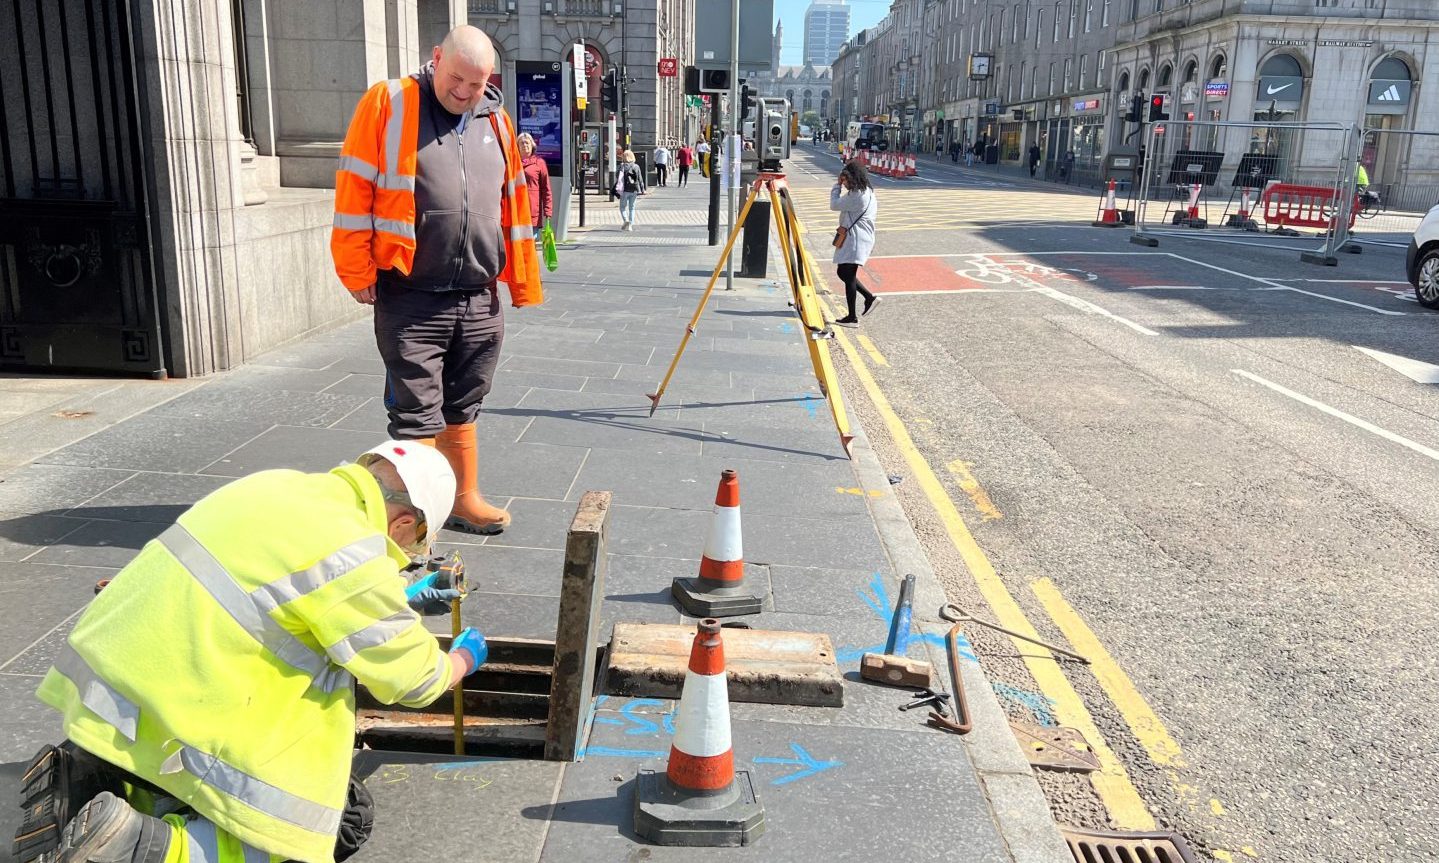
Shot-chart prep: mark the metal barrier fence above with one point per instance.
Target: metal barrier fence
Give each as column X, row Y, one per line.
column 1287, row 185
column 1403, row 172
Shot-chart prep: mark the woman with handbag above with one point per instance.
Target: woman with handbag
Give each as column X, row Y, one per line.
column 854, row 199
column 629, row 185
column 537, row 179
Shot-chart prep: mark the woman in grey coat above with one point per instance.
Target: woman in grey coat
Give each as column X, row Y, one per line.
column 853, row 198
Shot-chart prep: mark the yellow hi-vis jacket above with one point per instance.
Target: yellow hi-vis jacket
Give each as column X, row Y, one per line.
column 374, row 226
column 220, row 663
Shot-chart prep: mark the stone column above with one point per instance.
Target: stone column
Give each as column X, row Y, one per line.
column 438, row 17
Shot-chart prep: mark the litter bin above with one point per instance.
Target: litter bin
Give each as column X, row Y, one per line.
column 754, row 253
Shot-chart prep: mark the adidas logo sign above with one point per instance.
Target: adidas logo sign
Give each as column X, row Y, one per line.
column 1390, row 95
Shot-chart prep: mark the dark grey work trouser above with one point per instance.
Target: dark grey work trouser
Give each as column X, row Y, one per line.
column 440, row 350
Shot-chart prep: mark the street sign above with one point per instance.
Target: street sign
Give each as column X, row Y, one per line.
column 669, row 67
column 581, row 78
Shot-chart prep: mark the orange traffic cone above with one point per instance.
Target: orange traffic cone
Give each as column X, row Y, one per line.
column 700, row 800
column 719, row 591
column 1109, row 214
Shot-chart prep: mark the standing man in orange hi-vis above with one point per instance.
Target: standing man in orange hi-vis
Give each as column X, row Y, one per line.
column 432, row 213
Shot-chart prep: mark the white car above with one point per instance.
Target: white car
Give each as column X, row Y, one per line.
column 1423, row 260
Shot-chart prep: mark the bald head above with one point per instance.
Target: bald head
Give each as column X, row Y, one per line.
column 463, row 63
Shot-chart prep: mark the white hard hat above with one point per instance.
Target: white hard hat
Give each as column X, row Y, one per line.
column 429, row 481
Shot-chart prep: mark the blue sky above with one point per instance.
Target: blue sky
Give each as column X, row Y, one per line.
column 863, row 13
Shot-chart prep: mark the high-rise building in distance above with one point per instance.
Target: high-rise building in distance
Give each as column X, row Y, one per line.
column 826, row 27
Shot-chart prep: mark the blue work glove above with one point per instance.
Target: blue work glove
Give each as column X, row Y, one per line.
column 472, row 644
column 424, row 598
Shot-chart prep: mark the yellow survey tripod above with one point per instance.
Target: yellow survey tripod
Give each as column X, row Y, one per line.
column 800, row 270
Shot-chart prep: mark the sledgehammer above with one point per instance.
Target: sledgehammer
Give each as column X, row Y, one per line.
column 893, row 666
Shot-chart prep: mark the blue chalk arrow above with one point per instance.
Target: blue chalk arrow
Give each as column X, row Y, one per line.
column 803, row 759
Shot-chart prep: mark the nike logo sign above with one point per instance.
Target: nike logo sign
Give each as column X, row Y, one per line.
column 1272, row 90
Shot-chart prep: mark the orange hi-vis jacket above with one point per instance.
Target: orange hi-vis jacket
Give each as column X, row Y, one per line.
column 374, row 226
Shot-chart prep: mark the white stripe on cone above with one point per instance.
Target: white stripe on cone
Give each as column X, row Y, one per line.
column 724, row 542
column 702, row 723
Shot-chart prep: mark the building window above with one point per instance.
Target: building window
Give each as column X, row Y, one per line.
column 1104, row 15
column 1123, row 81
column 1144, row 80
column 1051, row 79
column 1166, row 75
column 1073, row 16
column 1068, row 73
column 1218, row 67
column 1083, row 70
column 1058, row 21
column 1038, row 26
column 1088, row 15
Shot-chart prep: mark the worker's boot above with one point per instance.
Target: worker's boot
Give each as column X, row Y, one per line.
column 109, row 830
column 472, row 513
column 59, row 780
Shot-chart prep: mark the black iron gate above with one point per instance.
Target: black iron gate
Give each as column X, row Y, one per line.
column 78, row 286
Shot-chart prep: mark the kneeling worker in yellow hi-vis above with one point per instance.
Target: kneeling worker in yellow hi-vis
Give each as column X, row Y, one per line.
column 212, row 682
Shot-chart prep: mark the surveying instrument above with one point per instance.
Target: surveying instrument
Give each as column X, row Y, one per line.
column 773, row 123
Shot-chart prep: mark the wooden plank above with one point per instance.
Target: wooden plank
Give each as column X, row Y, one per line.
column 649, row 660
column 582, row 589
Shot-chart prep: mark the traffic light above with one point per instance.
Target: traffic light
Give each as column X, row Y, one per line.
column 1136, row 109
column 746, row 100
column 610, row 91
column 1156, row 107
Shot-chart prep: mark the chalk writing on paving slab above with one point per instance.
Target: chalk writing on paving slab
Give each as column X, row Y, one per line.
column 459, row 771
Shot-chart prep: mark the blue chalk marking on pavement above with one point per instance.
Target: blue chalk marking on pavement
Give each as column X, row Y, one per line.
column 877, row 598
column 807, row 402
column 1037, row 704
column 615, row 752
column 595, row 718
column 786, row 327
column 802, row 759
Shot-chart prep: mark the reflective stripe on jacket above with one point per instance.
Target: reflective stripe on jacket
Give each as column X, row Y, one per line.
column 218, row 665
column 374, row 227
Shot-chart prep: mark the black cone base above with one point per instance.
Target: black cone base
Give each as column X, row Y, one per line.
column 699, row 601
column 666, row 815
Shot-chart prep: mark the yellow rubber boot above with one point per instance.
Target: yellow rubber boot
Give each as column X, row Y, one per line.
column 472, row 513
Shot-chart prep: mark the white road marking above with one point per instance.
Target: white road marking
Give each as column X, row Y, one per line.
column 1171, row 288
column 1345, row 281
column 1273, row 284
column 1091, row 308
column 1415, row 370
column 1335, row 412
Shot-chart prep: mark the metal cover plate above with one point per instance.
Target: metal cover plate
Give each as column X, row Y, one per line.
column 649, row 660
column 1055, row 748
column 1102, row 846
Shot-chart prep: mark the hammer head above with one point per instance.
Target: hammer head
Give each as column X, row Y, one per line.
column 894, row 670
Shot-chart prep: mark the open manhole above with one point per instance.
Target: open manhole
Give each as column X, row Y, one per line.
column 507, row 706
column 1102, row 846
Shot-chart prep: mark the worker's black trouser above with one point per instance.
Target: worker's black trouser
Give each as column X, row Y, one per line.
column 440, row 350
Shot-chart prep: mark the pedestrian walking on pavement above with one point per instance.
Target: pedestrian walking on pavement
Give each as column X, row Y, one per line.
column 853, row 198
column 213, row 678
column 431, row 217
column 702, row 151
column 979, row 147
column 537, row 181
column 1033, row 159
column 629, row 185
column 685, row 158
column 662, row 164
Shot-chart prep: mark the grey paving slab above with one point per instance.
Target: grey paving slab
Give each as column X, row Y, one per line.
column 536, row 524
column 549, row 366
column 639, row 390
column 481, row 797
column 51, row 487
column 918, row 797
column 662, row 480
column 591, row 406
column 48, row 594
column 841, row 542
column 637, row 435
column 160, row 443
column 26, row 724
column 637, row 589
column 797, row 411
column 37, row 658
column 157, row 497
column 1014, row 800
column 306, row 449
column 358, row 385
column 264, row 377
column 658, row 532
column 367, row 362
column 103, row 543
column 792, row 348
column 509, row 615
column 546, row 348
column 808, row 443
column 21, row 535
column 543, row 331
column 664, row 340
column 685, row 377
column 519, row 376
column 281, row 407
column 492, row 568
column 529, row 469
column 729, row 361
column 827, row 591
column 667, row 324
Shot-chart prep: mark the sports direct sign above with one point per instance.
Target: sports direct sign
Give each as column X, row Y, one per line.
column 1216, row 90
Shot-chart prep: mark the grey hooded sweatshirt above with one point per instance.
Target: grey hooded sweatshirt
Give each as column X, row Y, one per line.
column 459, row 183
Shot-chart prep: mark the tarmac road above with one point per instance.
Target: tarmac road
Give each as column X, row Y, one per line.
column 1178, row 459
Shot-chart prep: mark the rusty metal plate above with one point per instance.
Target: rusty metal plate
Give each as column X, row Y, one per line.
column 1103, row 846
column 649, row 660
column 1055, row 748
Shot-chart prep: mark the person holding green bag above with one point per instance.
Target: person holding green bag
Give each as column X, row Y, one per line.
column 537, row 178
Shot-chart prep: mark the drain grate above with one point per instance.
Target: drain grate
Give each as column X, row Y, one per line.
column 1102, row 846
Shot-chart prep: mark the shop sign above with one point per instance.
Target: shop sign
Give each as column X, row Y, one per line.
column 1390, row 94
column 1216, row 90
column 991, row 109
column 669, row 67
column 1188, row 93
column 1086, row 105
column 1284, row 89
